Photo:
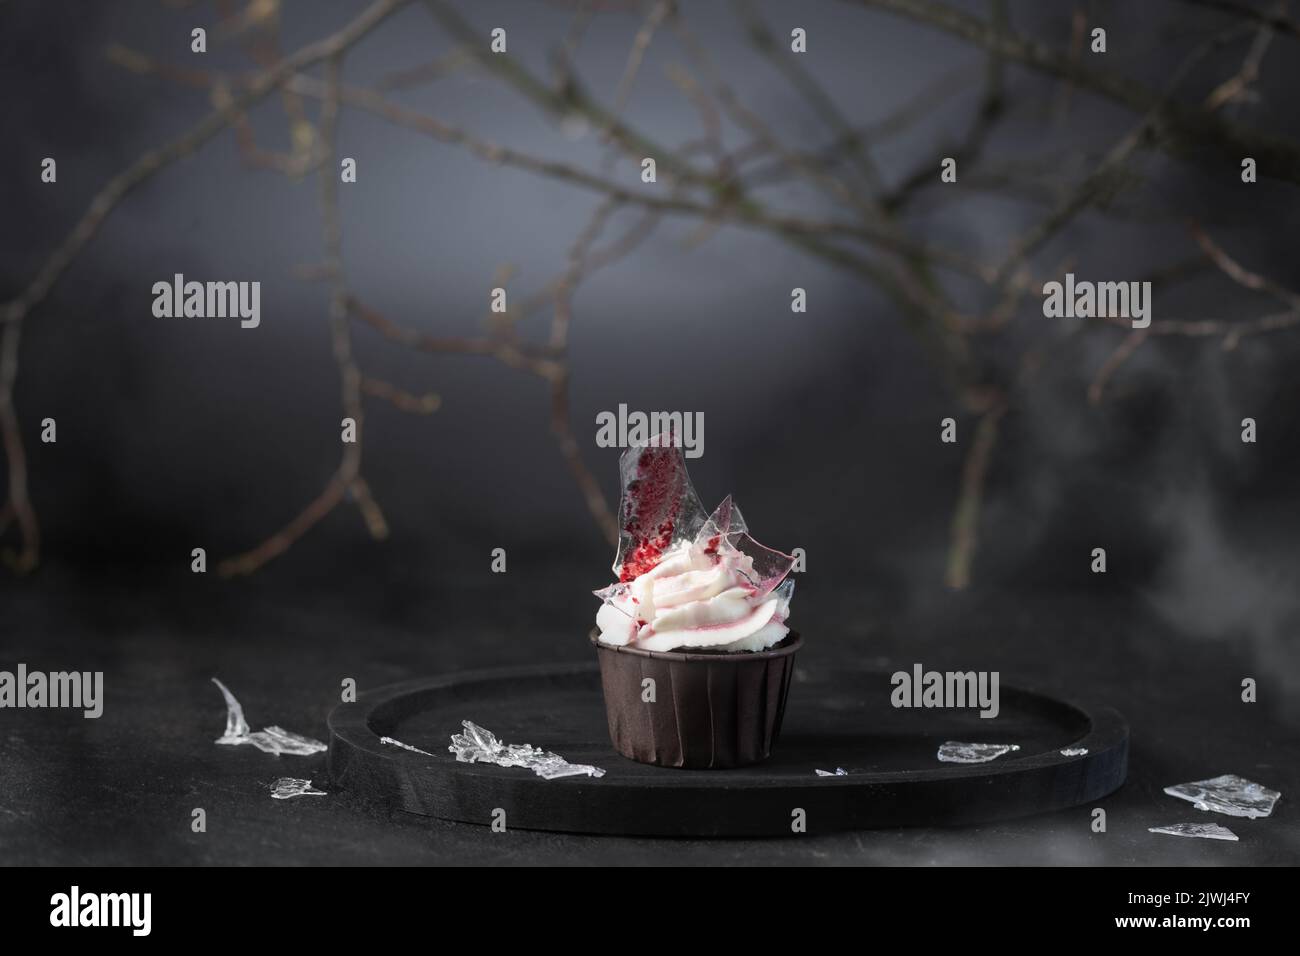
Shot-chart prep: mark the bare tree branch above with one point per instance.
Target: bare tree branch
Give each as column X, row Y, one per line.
column 106, row 200
column 1184, row 130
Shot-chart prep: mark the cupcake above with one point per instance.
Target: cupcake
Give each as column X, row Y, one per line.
column 695, row 655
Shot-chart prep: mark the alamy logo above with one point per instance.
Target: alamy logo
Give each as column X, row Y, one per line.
column 75, row 689
column 624, row 429
column 208, row 300
column 75, row 908
column 950, row 689
column 1098, row 300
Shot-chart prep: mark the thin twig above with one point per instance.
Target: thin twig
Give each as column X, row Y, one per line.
column 347, row 477
column 1237, row 86
column 1123, row 352
column 507, row 351
column 965, row 520
column 572, row 454
column 399, row 398
column 1238, row 273
column 640, row 43
column 1078, row 29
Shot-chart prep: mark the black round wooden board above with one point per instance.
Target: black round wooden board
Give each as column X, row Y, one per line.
column 835, row 718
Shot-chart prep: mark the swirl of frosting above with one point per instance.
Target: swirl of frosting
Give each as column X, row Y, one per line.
column 702, row 594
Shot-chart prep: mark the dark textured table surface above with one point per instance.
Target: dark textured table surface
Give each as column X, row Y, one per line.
column 120, row 789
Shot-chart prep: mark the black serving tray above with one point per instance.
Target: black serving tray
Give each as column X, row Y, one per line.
column 835, row 718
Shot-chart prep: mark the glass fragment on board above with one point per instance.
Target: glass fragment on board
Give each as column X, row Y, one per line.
column 477, row 745
column 953, row 751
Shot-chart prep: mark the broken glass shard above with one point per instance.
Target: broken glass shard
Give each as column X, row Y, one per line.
column 288, row 787
column 477, row 745
column 272, row 740
column 398, row 743
column 618, row 595
column 277, row 740
column 725, row 521
column 765, row 567
column 236, row 726
column 954, row 752
column 784, row 592
column 1206, row 831
column 1228, row 794
column 1074, row 751
column 839, row 772
column 658, row 509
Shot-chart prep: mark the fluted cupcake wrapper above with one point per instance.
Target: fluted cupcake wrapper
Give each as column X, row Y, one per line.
column 707, row 710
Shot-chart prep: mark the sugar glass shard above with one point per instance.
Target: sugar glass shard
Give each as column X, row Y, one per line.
column 1205, row 831
column 272, row 740
column 555, row 769
column 784, row 591
column 480, row 737
column 1228, row 794
column 783, row 594
column 725, row 521
column 287, row 742
column 658, row 509
column 768, row 567
column 288, row 787
column 618, row 596
column 236, row 725
column 1073, row 751
column 477, row 745
column 397, row 743
column 725, row 530
column 839, row 772
column 955, row 752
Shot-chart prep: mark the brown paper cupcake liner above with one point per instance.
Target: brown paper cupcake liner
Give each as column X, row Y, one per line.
column 710, row 710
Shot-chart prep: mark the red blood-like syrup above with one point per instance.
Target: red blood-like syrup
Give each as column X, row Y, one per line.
column 653, row 497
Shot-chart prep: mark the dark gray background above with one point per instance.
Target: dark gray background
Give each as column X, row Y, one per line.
column 175, row 434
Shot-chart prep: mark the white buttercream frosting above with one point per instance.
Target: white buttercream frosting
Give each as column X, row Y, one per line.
column 698, row 596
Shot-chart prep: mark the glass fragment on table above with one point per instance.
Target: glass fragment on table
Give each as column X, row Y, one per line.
column 288, row 787
column 1204, row 831
column 272, row 740
column 1228, row 794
